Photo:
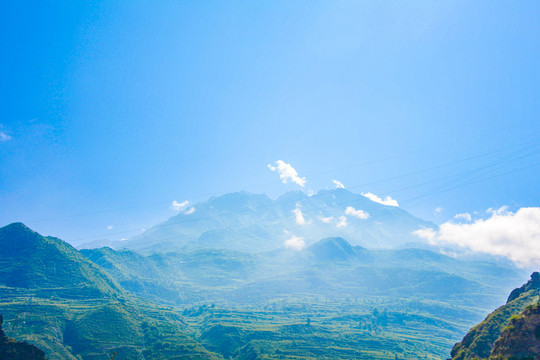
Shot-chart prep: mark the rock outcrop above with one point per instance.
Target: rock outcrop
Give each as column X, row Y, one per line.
column 13, row 350
column 507, row 332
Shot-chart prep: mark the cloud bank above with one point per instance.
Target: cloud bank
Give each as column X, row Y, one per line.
column 387, row 201
column 287, row 173
column 513, row 235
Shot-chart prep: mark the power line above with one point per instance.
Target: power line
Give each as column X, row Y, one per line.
column 206, row 195
column 500, row 162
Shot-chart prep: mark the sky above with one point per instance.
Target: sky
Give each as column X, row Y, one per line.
column 112, row 110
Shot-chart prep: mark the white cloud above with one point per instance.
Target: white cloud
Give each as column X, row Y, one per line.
column 342, row 221
column 438, row 210
column 426, row 233
column 387, row 201
column 465, row 216
column 295, row 243
column 182, row 207
column 176, row 206
column 361, row 214
column 513, row 235
column 326, row 220
column 338, row 184
column 110, row 227
column 299, row 216
column 4, row 136
column 287, row 173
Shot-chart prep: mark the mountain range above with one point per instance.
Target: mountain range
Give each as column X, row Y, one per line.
column 242, row 276
column 252, row 222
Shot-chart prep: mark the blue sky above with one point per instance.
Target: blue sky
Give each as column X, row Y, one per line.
column 111, row 110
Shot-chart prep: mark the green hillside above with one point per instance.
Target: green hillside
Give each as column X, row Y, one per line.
column 46, row 266
column 55, row 298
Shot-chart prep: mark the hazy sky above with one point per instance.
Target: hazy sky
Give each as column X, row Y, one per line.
column 111, row 110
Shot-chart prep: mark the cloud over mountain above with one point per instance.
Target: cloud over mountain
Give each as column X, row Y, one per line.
column 387, row 201
column 361, row 214
column 300, row 220
column 513, row 235
column 287, row 173
column 295, row 243
column 182, row 207
column 338, row 184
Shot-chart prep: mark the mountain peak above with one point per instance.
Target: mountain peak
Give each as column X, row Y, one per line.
column 533, row 283
column 238, row 201
column 332, row 248
column 16, row 226
column 29, row 260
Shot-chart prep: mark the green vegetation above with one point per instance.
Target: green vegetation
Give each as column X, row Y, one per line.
column 330, row 301
column 75, row 310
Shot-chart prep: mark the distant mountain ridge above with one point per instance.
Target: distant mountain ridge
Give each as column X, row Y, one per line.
column 255, row 223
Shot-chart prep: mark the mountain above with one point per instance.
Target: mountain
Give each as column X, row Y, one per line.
column 333, row 249
column 327, row 299
column 55, row 298
column 14, row 350
column 46, row 264
column 509, row 331
column 255, row 223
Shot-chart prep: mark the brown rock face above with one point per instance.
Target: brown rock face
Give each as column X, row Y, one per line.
column 511, row 332
column 13, row 350
column 521, row 338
